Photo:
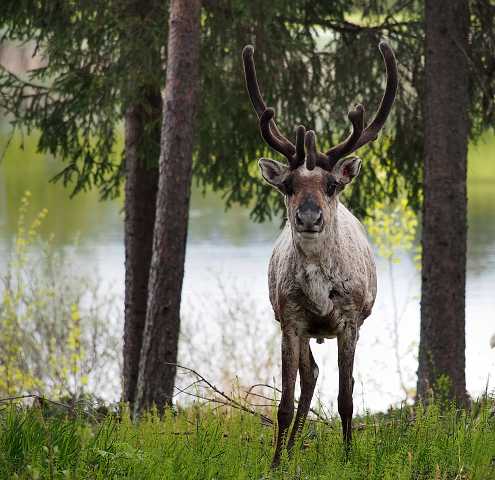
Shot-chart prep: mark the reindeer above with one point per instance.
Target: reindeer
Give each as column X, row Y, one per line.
column 322, row 275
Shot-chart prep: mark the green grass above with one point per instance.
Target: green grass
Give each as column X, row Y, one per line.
column 201, row 443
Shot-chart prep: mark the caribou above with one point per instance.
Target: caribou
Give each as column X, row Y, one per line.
column 322, row 274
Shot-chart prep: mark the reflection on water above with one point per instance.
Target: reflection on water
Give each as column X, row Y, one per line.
column 229, row 246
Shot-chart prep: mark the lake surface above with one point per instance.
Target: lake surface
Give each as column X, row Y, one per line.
column 227, row 259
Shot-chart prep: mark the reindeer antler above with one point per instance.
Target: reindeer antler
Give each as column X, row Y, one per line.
column 356, row 117
column 314, row 157
column 358, row 136
column 269, row 130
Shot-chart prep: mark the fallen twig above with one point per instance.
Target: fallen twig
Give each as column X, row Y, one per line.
column 37, row 397
column 231, row 401
column 71, row 408
column 319, row 417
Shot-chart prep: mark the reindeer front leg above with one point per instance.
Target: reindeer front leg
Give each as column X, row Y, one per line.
column 346, row 347
column 290, row 361
column 308, row 374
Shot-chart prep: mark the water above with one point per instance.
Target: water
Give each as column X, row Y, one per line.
column 227, row 256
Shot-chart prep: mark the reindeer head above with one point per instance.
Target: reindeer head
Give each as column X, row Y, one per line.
column 312, row 180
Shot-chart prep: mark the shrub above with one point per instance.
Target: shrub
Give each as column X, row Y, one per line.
column 58, row 332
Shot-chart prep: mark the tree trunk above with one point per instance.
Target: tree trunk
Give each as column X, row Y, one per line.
column 442, row 338
column 160, row 341
column 140, row 203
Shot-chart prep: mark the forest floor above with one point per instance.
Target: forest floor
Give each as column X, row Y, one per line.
column 200, row 442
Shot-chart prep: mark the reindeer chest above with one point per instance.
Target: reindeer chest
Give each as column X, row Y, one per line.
column 326, row 300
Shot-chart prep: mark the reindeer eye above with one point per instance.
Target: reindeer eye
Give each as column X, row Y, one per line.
column 331, row 187
column 288, row 188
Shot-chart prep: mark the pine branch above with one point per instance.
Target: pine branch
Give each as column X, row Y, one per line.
column 23, row 83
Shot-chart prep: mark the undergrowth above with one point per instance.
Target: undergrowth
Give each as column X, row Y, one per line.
column 199, row 442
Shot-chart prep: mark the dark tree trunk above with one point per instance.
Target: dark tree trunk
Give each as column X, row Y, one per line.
column 140, row 203
column 161, row 335
column 442, row 337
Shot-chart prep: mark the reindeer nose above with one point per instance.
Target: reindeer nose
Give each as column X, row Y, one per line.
column 309, row 220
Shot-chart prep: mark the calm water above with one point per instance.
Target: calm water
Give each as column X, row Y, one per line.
column 227, row 256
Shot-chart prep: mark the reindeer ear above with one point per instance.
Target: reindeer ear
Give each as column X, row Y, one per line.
column 275, row 173
column 346, row 169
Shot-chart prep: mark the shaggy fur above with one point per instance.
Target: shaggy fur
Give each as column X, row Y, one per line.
column 322, row 276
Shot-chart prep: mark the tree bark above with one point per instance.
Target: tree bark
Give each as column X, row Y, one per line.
column 140, row 203
column 160, row 340
column 442, row 337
